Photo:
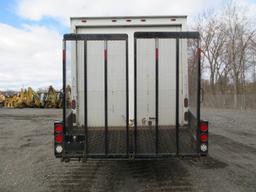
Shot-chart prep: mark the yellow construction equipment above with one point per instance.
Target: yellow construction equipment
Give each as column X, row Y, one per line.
column 30, row 98
column 2, row 99
column 51, row 99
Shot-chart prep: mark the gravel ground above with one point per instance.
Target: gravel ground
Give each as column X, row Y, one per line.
column 27, row 162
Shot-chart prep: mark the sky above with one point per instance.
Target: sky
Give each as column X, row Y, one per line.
column 31, row 32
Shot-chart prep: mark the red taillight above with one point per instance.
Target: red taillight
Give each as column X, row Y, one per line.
column 203, row 127
column 73, row 104
column 203, row 137
column 58, row 128
column 58, row 138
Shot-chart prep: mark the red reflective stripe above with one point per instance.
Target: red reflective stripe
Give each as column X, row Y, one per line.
column 199, row 52
column 157, row 54
column 63, row 55
column 105, row 54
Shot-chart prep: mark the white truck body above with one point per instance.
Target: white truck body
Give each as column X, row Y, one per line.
column 146, row 57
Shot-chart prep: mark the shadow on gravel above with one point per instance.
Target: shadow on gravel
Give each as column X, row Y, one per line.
column 232, row 145
column 208, row 163
column 124, row 176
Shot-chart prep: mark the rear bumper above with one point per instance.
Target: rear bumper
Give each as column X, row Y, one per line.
column 75, row 151
column 131, row 157
column 76, row 146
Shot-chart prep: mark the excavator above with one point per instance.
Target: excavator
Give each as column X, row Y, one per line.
column 2, row 99
column 31, row 99
column 53, row 99
column 27, row 98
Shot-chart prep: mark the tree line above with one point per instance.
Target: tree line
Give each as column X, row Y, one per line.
column 228, row 43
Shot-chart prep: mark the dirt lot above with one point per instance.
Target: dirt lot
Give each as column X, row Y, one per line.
column 27, row 162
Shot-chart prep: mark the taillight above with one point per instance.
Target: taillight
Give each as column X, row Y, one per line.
column 58, row 128
column 203, row 147
column 59, row 149
column 203, row 137
column 58, row 138
column 203, row 126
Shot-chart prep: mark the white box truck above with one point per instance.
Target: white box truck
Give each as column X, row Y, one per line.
column 131, row 90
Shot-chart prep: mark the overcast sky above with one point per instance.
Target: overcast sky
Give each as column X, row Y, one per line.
column 31, row 32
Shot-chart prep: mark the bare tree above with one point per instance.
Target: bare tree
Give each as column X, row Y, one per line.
column 238, row 36
column 212, row 44
column 228, row 44
column 253, row 60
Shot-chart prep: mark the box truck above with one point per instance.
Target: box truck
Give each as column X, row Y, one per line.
column 131, row 90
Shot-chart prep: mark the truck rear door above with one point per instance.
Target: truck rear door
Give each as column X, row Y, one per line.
column 158, row 128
